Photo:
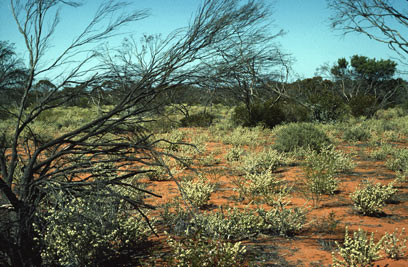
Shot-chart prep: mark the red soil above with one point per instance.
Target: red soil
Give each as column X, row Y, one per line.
column 308, row 248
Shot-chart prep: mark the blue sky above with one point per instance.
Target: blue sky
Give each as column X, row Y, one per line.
column 309, row 38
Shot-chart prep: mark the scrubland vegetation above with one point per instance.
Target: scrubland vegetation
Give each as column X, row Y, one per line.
column 197, row 149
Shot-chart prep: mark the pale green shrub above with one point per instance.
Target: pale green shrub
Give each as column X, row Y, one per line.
column 297, row 135
column 319, row 182
column 282, row 220
column 258, row 162
column 329, row 159
column 198, row 192
column 382, row 152
column 356, row 133
column 264, row 184
column 234, row 153
column 157, row 173
column 241, row 136
column 79, row 231
column 231, row 224
column 398, row 161
column 320, row 171
column 370, row 198
column 395, row 244
column 357, row 250
column 198, row 250
column 172, row 141
column 392, row 136
column 209, row 160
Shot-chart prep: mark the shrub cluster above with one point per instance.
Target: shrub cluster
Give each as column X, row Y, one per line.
column 357, row 250
column 300, row 135
column 356, row 133
column 282, row 220
column 266, row 114
column 202, row 119
column 198, row 250
column 198, row 192
column 83, row 231
column 370, row 198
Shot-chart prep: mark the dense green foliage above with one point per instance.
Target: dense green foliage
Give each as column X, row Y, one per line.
column 300, row 135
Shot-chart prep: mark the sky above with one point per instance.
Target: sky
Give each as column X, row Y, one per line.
column 308, row 37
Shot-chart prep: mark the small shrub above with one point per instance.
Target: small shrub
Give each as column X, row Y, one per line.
column 209, row 160
column 198, row 192
column 329, row 159
column 157, row 173
column 264, row 184
column 382, row 152
column 356, row 133
column 398, row 160
column 357, row 250
column 388, row 114
column 198, row 250
column 298, row 135
column 241, row 136
column 258, row 162
column 202, row 119
column 328, row 224
column 370, row 199
column 395, row 244
column 282, row 220
column 231, row 224
column 234, row 153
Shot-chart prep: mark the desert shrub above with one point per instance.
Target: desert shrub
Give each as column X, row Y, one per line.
column 329, row 159
column 267, row 114
column 363, row 105
column 257, row 162
column 370, row 198
column 157, row 173
column 198, row 192
column 298, row 135
column 392, row 136
column 82, row 231
column 264, row 184
column 356, row 133
column 398, row 160
column 174, row 140
column 357, row 250
column 230, row 224
column 202, row 119
column 241, row 136
column 234, row 153
column 388, row 114
column 319, row 182
column 197, row 250
column 282, row 220
column 382, row 152
column 209, row 160
column 395, row 244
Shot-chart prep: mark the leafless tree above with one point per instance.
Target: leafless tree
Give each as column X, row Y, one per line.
column 250, row 58
column 382, row 20
column 33, row 165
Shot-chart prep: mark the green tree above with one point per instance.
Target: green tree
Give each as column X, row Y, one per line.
column 366, row 78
